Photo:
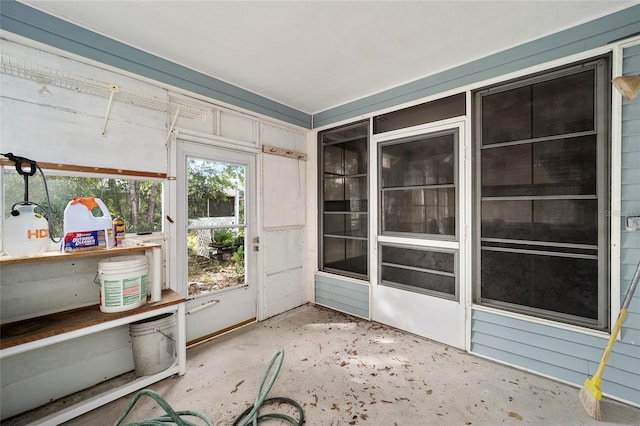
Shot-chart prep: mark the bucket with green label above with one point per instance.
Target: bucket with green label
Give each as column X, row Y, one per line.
column 123, row 282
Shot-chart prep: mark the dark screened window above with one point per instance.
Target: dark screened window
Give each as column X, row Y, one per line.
column 541, row 164
column 419, row 270
column 418, row 184
column 440, row 109
column 344, row 193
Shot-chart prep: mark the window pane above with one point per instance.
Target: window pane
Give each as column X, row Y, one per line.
column 137, row 201
column 426, row 161
column 424, row 211
column 353, row 225
column 347, row 158
column 506, row 116
column 565, row 167
column 543, row 246
column 558, row 167
column 215, row 200
column 344, row 134
column 345, row 255
column 215, row 259
column 355, row 157
column 507, row 171
column 425, row 259
column 419, row 280
column 333, row 161
column 333, row 195
column 564, row 105
column 344, row 195
column 344, row 199
column 566, row 221
column 558, row 284
column 441, row 109
column 211, row 184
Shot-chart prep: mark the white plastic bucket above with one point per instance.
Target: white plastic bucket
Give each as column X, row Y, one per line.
column 153, row 342
column 123, row 282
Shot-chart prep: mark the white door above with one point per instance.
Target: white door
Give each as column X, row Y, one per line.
column 216, row 201
column 419, row 282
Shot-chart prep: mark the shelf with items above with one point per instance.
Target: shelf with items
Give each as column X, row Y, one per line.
column 25, row 335
column 57, row 324
column 57, row 255
column 155, row 264
column 35, row 333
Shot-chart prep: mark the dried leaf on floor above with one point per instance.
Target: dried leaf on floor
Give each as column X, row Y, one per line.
column 237, row 386
column 515, row 415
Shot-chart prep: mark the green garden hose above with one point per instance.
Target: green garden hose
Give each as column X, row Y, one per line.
column 249, row 416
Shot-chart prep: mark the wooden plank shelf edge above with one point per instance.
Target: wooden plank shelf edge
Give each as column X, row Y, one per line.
column 56, row 255
column 33, row 329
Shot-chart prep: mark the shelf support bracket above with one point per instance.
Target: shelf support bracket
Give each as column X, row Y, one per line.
column 173, row 125
column 113, row 88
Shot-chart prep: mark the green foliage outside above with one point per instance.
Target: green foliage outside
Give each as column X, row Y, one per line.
column 212, row 181
column 238, row 258
column 138, row 202
column 215, row 190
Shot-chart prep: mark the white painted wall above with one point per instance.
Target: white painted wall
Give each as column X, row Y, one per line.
column 284, row 188
column 61, row 125
column 65, row 126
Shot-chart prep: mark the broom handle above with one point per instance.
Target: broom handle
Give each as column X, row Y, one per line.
column 616, row 328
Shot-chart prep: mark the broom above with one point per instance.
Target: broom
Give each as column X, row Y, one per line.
column 590, row 394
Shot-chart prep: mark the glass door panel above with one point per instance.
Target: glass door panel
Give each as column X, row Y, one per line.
column 217, row 221
column 216, row 225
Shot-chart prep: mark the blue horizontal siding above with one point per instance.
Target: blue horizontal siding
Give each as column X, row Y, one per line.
column 630, row 256
column 630, row 202
column 555, row 352
column 629, row 190
column 36, row 25
column 508, row 341
column 631, row 160
column 630, row 128
column 633, row 109
column 630, row 239
column 343, row 295
column 578, row 39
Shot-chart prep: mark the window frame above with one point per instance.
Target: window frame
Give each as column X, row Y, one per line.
column 602, row 65
column 77, row 171
column 321, row 202
column 420, row 290
column 427, row 132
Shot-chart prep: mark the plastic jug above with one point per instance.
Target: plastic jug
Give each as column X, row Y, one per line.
column 25, row 233
column 84, row 231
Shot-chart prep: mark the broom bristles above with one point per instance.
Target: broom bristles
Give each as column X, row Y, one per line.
column 590, row 403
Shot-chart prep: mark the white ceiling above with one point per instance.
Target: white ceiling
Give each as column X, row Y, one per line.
column 314, row 55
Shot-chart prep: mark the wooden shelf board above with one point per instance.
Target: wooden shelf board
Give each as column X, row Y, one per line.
column 56, row 255
column 25, row 331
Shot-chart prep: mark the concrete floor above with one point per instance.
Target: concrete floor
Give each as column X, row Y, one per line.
column 347, row 371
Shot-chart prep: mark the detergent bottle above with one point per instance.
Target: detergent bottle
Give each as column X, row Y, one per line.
column 82, row 230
